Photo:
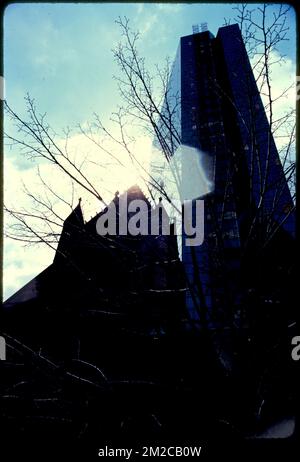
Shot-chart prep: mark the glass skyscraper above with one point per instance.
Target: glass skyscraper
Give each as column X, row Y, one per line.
column 249, row 214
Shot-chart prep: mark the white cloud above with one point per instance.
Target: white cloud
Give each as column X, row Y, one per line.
column 21, row 264
column 140, row 8
column 170, row 7
column 283, row 77
column 155, row 19
column 147, row 24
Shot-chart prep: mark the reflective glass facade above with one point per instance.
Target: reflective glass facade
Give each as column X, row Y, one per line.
column 221, row 114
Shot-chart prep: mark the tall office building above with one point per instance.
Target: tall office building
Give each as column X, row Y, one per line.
column 249, row 214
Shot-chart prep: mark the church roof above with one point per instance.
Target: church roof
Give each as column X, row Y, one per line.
column 76, row 216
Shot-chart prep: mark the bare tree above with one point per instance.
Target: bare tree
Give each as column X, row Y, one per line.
column 150, row 104
column 155, row 111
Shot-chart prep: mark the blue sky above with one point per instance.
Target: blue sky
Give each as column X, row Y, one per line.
column 61, row 54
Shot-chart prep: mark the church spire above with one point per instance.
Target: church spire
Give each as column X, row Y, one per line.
column 71, row 233
column 76, row 216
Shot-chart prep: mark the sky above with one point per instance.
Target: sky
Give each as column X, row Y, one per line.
column 61, row 54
